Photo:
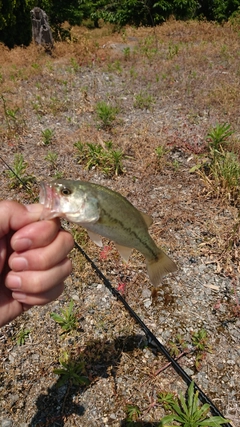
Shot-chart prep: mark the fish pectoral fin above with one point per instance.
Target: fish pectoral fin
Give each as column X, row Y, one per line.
column 158, row 268
column 147, row 218
column 96, row 238
column 124, row 252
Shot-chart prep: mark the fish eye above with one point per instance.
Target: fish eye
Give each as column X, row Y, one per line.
column 65, row 191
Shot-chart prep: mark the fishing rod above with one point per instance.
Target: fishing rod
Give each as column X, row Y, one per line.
column 152, row 339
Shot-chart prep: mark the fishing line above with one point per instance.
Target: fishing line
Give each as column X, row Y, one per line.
column 152, row 339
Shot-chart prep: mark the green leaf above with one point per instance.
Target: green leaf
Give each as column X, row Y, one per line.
column 57, row 317
column 167, row 419
column 213, row 422
column 201, row 412
column 195, row 168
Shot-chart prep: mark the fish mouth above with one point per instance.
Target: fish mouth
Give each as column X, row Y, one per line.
column 50, row 201
column 46, row 195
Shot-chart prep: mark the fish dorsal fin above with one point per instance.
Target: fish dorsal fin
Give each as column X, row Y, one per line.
column 124, row 252
column 147, row 218
column 95, row 238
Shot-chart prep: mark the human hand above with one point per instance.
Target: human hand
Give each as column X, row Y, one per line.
column 33, row 259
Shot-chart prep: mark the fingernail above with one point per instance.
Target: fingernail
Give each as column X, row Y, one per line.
column 19, row 296
column 14, row 281
column 19, row 264
column 23, row 244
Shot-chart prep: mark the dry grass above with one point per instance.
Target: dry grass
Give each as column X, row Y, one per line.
column 188, row 74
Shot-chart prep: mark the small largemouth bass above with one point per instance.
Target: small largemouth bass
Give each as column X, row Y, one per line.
column 103, row 212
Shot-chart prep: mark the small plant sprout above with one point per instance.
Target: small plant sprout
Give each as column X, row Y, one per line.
column 71, row 371
column 167, row 399
column 143, row 101
column 133, row 413
column 188, row 413
column 126, row 53
column 52, row 157
column 58, row 175
column 160, row 151
column 67, row 320
column 176, row 164
column 47, row 135
column 22, row 335
column 102, row 156
column 178, row 345
column 12, row 120
column 74, row 65
column 217, row 136
column 173, row 50
column 106, row 113
column 200, row 341
column 149, row 47
column 115, row 66
column 17, row 175
column 221, row 170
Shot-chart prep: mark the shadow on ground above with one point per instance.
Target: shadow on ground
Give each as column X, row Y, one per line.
column 54, row 407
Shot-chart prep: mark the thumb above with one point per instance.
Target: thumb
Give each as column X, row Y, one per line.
column 14, row 215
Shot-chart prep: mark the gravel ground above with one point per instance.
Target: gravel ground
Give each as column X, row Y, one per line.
column 189, row 75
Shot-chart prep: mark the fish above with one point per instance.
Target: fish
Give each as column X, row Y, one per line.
column 106, row 213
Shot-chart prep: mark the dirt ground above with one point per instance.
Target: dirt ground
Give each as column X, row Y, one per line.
column 169, row 87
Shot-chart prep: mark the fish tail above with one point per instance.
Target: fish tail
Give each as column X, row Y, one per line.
column 159, row 267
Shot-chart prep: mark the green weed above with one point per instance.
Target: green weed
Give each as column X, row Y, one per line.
column 75, row 65
column 35, row 66
column 133, row 73
column 160, row 151
column 71, row 371
column 95, row 155
column 58, row 175
column 115, row 66
column 177, row 346
column 133, row 413
column 143, row 101
column 199, row 346
column 52, row 157
column 14, row 123
column 102, row 156
column 17, row 175
column 149, row 47
column 67, row 320
column 224, row 168
column 173, row 50
column 188, row 413
column 221, row 170
column 166, row 399
column 47, row 135
column 176, row 165
column 217, row 136
column 126, row 53
column 106, row 113
column 200, row 341
column 226, row 172
column 22, row 335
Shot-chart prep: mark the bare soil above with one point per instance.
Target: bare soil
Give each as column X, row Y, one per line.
column 170, row 85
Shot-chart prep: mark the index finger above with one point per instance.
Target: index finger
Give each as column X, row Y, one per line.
column 35, row 235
